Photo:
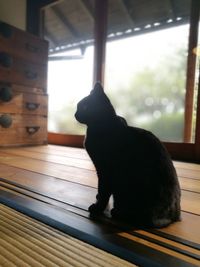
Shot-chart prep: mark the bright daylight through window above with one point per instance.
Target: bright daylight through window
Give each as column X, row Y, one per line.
column 145, row 79
column 145, row 66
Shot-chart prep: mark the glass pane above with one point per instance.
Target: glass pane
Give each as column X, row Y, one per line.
column 196, row 50
column 68, row 26
column 146, row 76
column 68, row 82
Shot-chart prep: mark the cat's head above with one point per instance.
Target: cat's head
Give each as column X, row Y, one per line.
column 94, row 108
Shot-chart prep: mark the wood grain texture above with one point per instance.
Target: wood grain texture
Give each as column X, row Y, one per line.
column 25, row 46
column 69, row 165
column 25, row 103
column 67, row 175
column 18, row 133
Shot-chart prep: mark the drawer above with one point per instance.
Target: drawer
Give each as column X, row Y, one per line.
column 22, row 89
column 23, row 44
column 24, row 130
column 15, row 70
column 25, row 103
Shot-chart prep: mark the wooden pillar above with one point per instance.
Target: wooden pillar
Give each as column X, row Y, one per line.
column 191, row 67
column 197, row 132
column 100, row 33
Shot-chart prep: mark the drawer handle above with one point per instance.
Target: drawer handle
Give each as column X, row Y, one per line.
column 31, row 75
column 32, row 129
column 5, row 93
column 5, row 120
column 32, row 48
column 32, row 106
column 5, row 30
column 5, row 60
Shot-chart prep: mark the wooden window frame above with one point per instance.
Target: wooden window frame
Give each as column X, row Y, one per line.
column 179, row 151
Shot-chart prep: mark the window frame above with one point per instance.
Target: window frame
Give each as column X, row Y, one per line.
column 179, row 151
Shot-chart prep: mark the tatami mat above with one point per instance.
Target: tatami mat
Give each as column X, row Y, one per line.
column 27, row 242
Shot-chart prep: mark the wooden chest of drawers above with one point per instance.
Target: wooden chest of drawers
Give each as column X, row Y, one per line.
column 23, row 82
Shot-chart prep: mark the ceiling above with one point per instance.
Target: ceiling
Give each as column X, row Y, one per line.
column 69, row 24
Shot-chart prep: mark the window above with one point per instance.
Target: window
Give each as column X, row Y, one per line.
column 69, row 79
column 70, row 68
column 170, row 87
column 145, row 77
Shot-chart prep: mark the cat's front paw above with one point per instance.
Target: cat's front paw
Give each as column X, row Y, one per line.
column 95, row 209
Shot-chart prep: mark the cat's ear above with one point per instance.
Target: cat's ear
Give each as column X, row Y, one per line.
column 98, row 89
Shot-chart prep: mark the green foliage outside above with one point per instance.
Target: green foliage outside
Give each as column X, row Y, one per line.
column 154, row 100
column 63, row 121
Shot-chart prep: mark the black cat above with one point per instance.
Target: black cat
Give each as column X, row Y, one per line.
column 132, row 165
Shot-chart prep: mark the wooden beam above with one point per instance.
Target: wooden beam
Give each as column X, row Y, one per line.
column 100, row 34
column 191, row 67
column 129, row 9
column 49, row 36
column 58, row 58
column 173, row 9
column 65, row 139
column 129, row 15
column 197, row 132
column 65, row 21
column 88, row 8
column 181, row 151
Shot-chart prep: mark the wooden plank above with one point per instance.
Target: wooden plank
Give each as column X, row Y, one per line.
column 186, row 183
column 81, row 195
column 73, row 174
column 166, row 241
column 65, row 139
column 77, row 195
column 159, row 248
column 59, row 204
column 60, row 150
column 192, row 174
column 187, row 170
column 81, row 153
column 74, row 194
column 190, row 202
column 197, row 130
column 44, row 169
column 187, row 166
column 191, row 69
column 190, row 184
column 65, row 159
column 187, row 229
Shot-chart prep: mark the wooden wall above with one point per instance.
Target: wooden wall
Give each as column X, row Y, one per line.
column 13, row 12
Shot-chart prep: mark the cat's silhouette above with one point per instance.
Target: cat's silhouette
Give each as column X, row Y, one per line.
column 132, row 165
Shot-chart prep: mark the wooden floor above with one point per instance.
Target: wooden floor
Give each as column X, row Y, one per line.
column 65, row 178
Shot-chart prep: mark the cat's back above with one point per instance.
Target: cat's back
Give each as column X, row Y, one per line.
column 147, row 150
column 145, row 141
